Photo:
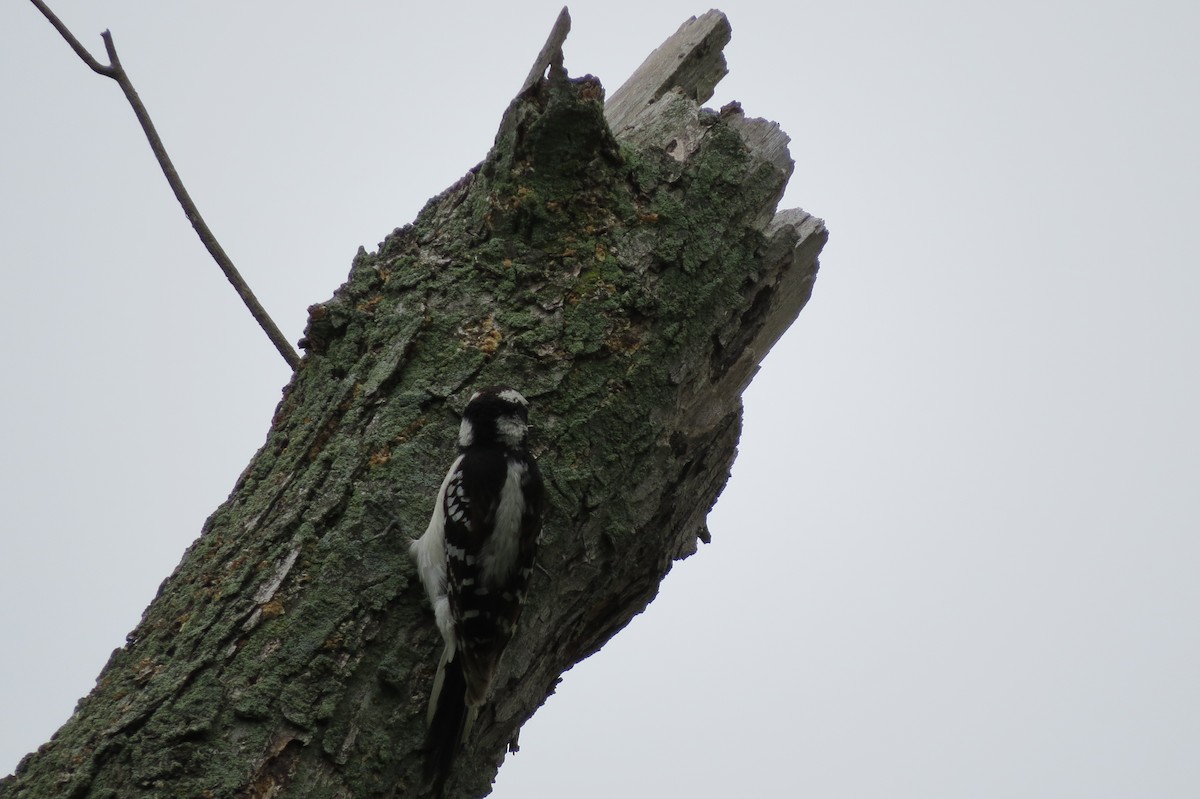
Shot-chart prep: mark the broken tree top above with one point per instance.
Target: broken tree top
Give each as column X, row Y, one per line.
column 689, row 64
column 691, row 61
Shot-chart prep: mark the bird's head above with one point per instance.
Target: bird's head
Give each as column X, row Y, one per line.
column 495, row 415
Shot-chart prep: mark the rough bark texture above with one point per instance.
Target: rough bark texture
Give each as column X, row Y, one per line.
column 629, row 285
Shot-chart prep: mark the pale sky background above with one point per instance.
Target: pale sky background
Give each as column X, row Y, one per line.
column 958, row 557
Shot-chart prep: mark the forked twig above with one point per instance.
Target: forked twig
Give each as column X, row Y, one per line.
column 115, row 71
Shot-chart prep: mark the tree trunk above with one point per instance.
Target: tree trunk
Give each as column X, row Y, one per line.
column 627, row 274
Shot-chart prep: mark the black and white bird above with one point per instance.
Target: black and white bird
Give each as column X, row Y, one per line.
column 475, row 560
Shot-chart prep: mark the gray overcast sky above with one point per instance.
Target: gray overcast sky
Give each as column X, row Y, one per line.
column 958, row 555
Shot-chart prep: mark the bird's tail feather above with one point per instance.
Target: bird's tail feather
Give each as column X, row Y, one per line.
column 447, row 719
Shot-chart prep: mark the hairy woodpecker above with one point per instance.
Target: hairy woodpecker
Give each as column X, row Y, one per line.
column 475, row 560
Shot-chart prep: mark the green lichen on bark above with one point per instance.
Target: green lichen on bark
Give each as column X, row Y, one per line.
column 290, row 653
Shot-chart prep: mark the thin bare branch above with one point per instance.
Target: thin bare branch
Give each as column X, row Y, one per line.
column 79, row 49
column 115, row 71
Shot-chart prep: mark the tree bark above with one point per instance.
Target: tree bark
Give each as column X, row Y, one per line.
column 628, row 275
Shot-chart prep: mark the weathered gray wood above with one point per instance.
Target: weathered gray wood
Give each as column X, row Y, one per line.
column 551, row 55
column 690, row 60
column 629, row 286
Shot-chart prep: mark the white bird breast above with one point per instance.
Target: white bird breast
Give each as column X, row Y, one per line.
column 498, row 558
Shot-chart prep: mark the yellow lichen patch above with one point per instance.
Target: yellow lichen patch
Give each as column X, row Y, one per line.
column 492, row 342
column 591, row 91
column 272, row 609
column 601, row 253
column 484, row 336
column 369, row 305
column 379, row 457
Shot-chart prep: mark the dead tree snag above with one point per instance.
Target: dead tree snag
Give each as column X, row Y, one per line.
column 625, row 267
